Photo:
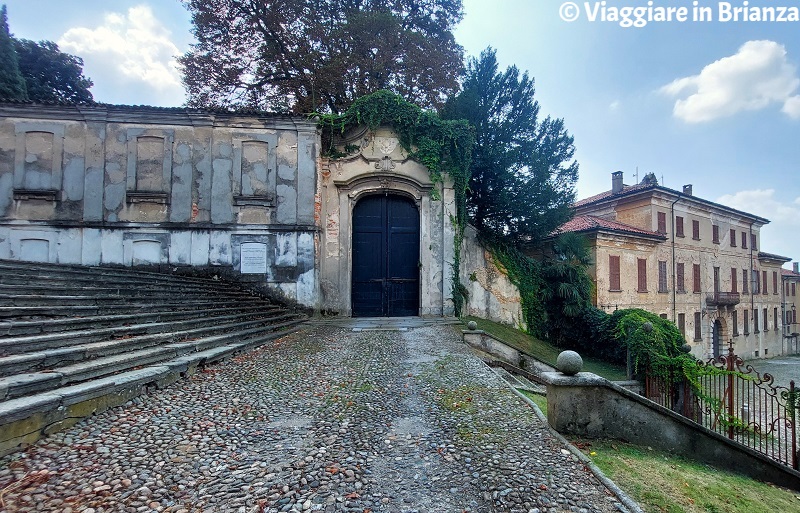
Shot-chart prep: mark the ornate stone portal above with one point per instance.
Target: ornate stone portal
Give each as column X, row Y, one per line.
column 376, row 164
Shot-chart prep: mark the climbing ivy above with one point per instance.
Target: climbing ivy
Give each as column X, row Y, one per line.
column 653, row 342
column 525, row 273
column 442, row 146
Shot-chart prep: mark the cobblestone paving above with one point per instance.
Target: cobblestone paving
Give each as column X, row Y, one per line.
column 323, row 420
column 783, row 368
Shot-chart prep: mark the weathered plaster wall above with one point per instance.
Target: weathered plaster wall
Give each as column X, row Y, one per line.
column 377, row 164
column 676, row 302
column 491, row 293
column 149, row 186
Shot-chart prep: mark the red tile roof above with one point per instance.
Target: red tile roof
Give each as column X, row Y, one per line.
column 586, row 223
column 633, row 189
column 607, row 194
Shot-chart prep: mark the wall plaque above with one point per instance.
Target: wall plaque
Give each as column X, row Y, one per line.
column 253, row 258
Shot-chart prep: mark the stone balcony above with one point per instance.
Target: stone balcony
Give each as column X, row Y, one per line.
column 723, row 299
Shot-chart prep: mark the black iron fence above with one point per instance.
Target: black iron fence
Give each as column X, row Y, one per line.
column 731, row 398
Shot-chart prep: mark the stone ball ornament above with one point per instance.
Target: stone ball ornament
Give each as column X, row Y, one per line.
column 569, row 362
column 472, row 325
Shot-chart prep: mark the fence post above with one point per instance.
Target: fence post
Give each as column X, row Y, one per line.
column 793, row 427
column 731, row 388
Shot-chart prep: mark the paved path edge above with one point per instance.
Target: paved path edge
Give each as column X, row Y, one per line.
column 631, row 505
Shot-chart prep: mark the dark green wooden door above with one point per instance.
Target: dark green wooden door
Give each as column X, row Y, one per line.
column 385, row 257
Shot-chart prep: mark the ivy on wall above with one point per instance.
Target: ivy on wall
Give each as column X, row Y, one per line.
column 526, row 274
column 442, row 146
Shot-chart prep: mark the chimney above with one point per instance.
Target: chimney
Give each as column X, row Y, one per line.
column 616, row 182
column 687, row 189
column 796, row 267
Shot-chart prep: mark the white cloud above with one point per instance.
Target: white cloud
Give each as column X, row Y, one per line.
column 792, row 107
column 613, row 105
column 778, row 236
column 757, row 76
column 762, row 202
column 133, row 50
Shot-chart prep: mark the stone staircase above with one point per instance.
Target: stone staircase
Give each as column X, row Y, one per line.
column 75, row 341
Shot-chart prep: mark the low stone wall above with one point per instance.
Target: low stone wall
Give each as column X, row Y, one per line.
column 591, row 406
column 482, row 341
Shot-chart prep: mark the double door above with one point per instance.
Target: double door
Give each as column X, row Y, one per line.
column 385, row 257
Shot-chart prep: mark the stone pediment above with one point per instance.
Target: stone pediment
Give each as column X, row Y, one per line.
column 380, row 146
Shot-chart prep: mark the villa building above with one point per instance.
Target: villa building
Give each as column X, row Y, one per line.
column 690, row 260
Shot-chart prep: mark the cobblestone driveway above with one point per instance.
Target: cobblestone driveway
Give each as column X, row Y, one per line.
column 327, row 419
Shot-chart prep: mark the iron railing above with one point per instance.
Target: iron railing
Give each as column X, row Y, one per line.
column 734, row 400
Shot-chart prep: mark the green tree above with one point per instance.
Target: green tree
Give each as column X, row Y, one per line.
column 52, row 75
column 320, row 55
column 12, row 85
column 568, row 290
column 523, row 174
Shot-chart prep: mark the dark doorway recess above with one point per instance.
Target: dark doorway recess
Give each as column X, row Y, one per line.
column 715, row 335
column 385, row 257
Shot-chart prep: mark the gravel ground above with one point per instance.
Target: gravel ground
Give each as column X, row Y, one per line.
column 326, row 419
column 783, row 368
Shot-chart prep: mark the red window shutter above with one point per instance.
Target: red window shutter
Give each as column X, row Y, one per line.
column 696, row 277
column 613, row 272
column 744, row 240
column 696, row 230
column 734, row 275
column 774, row 282
column 753, row 242
column 681, row 286
column 733, row 238
column 715, row 234
column 745, row 282
column 642, row 274
column 662, row 222
column 764, row 281
column 678, row 226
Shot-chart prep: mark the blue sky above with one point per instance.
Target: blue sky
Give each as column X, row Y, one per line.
column 712, row 103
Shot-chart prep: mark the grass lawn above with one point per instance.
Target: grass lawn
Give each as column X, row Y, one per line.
column 539, row 400
column 544, row 351
column 662, row 482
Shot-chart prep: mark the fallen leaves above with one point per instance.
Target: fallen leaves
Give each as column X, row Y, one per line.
column 32, row 478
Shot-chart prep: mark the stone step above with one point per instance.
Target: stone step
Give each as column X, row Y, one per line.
column 7, row 300
column 12, row 327
column 89, row 281
column 11, row 274
column 40, row 287
column 11, row 300
column 144, row 333
column 26, row 419
column 60, row 312
column 137, row 291
column 44, row 270
column 22, row 384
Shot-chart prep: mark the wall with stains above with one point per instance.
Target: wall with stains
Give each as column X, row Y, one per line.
column 491, row 294
column 127, row 185
column 375, row 163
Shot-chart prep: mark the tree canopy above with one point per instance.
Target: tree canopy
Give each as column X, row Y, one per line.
column 320, row 55
column 12, row 85
column 523, row 174
column 52, row 75
column 39, row 71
